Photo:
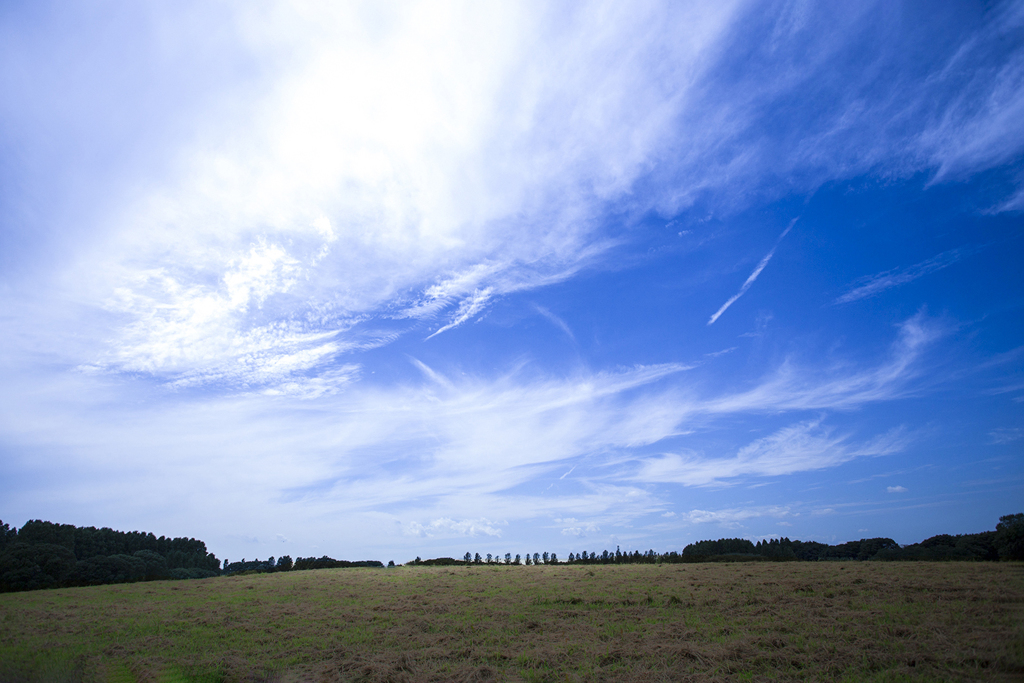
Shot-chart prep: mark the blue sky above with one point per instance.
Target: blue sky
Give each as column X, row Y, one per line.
column 383, row 281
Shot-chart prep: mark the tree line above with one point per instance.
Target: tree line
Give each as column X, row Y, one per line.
column 47, row 555
column 1006, row 542
column 286, row 564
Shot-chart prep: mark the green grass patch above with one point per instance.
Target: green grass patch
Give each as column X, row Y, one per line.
column 757, row 622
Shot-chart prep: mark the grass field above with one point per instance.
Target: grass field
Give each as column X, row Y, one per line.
column 846, row 621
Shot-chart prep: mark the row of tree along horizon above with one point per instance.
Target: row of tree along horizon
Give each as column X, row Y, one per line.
column 47, row 555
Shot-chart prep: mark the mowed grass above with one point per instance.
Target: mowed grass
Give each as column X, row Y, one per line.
column 698, row 622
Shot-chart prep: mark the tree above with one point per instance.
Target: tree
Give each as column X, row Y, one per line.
column 490, row 558
column 7, row 535
column 508, row 558
column 554, row 558
column 477, row 559
column 284, row 563
column 528, row 560
column 1010, row 537
column 102, row 569
column 155, row 563
column 25, row 567
column 391, row 563
column 468, row 558
column 516, row 561
column 536, row 558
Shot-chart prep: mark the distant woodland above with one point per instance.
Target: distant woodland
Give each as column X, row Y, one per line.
column 47, row 555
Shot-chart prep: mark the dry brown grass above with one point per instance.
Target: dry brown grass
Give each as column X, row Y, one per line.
column 703, row 622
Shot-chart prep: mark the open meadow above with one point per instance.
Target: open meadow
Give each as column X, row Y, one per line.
column 844, row 621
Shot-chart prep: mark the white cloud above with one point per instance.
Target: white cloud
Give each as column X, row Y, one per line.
column 419, row 454
column 876, row 284
column 445, row 527
column 896, row 489
column 555, row 320
column 978, row 128
column 800, row 447
column 733, row 517
column 330, row 195
column 790, row 388
column 1005, row 435
column 373, row 190
column 469, row 307
column 390, row 170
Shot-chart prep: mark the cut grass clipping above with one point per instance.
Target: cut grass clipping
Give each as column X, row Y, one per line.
column 843, row 621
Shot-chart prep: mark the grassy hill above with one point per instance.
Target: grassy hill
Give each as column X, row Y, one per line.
column 701, row 622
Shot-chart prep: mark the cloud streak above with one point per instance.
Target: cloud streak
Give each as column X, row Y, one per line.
column 876, row 284
column 753, row 276
column 801, row 447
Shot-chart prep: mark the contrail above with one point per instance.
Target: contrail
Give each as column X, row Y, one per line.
column 753, row 276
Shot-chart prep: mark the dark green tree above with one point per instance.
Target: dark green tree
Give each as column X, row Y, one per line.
column 1009, row 539
column 155, row 564
column 7, row 535
column 104, row 569
column 25, row 567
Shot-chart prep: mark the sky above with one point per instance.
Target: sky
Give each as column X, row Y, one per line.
column 386, row 280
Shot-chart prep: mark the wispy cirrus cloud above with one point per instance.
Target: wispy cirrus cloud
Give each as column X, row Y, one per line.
column 788, row 388
column 1005, row 435
column 555, row 320
column 801, row 447
column 222, row 257
column 645, row 109
column 421, row 460
column 876, row 284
